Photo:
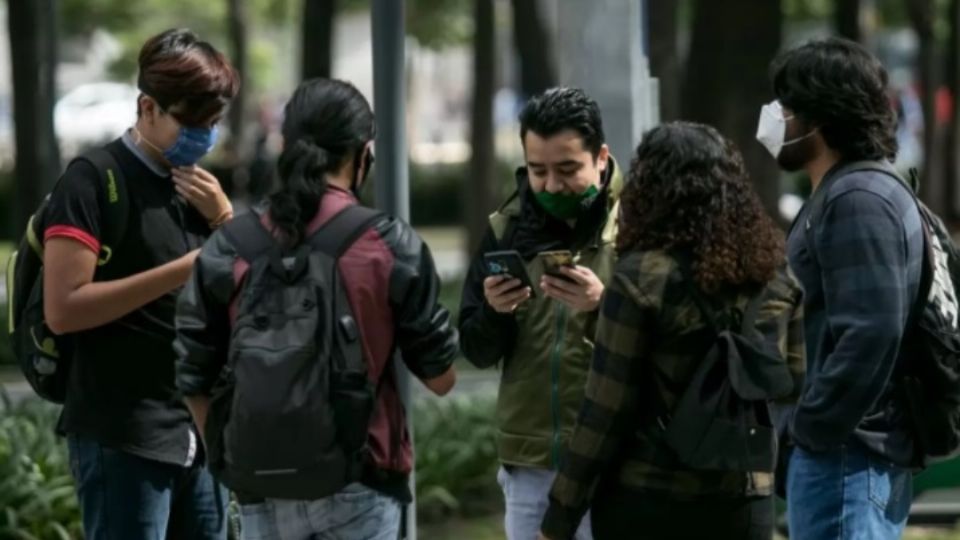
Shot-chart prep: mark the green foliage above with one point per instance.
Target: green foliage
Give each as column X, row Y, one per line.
column 433, row 23
column 436, row 192
column 440, row 23
column 450, row 292
column 132, row 23
column 36, row 489
column 808, row 9
column 456, row 457
column 456, row 467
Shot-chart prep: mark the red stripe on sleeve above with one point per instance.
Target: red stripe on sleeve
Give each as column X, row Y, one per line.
column 80, row 235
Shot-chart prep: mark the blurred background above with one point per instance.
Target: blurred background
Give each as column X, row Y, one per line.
column 67, row 74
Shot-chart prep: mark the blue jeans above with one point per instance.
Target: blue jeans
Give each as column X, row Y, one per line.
column 355, row 513
column 127, row 497
column 848, row 494
column 526, row 491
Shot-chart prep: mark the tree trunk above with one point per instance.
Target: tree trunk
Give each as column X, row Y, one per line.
column 537, row 71
column 664, row 61
column 238, row 148
column 931, row 186
column 478, row 191
column 33, row 52
column 727, row 79
column 318, row 38
column 846, row 18
column 237, row 17
column 951, row 152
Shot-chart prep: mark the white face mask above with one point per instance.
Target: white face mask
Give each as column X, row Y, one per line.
column 772, row 129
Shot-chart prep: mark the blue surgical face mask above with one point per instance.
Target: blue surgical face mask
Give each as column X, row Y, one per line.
column 191, row 145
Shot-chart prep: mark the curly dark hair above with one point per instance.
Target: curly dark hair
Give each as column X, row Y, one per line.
column 838, row 86
column 562, row 108
column 688, row 190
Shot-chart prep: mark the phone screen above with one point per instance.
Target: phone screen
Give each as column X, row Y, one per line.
column 554, row 260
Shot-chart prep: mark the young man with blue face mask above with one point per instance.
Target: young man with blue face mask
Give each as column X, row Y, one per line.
column 135, row 455
column 857, row 249
column 566, row 200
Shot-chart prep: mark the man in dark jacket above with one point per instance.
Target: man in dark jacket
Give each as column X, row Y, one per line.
column 859, row 260
column 391, row 285
column 566, row 199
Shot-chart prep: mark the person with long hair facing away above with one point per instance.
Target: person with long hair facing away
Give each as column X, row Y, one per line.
column 692, row 232
column 343, row 471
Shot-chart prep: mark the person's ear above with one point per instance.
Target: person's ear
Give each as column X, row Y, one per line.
column 148, row 108
column 603, row 158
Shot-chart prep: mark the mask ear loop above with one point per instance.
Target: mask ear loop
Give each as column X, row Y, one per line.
column 802, row 137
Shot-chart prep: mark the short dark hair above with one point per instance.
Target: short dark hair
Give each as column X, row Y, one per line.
column 188, row 77
column 560, row 109
column 840, row 87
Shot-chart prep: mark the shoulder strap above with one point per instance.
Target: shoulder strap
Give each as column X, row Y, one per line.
column 248, row 236
column 115, row 205
column 818, row 201
column 343, row 229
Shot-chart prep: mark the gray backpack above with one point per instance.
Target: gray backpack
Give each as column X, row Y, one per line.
column 291, row 409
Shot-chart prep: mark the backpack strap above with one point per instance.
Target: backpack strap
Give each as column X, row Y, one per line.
column 115, row 204
column 248, row 236
column 818, row 201
column 343, row 229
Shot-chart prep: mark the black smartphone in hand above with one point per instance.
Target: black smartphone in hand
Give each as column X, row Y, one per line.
column 508, row 263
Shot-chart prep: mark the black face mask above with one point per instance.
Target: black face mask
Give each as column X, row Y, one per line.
column 792, row 158
column 364, row 159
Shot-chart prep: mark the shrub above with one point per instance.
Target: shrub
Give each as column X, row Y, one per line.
column 456, row 455
column 36, row 489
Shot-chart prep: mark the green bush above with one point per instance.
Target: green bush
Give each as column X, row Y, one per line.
column 456, row 456
column 456, row 467
column 436, row 192
column 36, row 489
column 37, row 495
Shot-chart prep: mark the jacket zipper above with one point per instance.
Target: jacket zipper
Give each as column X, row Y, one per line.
column 561, row 313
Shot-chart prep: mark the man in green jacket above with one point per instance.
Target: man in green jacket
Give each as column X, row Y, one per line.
column 566, row 199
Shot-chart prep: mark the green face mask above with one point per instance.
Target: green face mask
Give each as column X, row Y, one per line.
column 565, row 205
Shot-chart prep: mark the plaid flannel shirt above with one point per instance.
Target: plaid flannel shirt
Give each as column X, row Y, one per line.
column 650, row 338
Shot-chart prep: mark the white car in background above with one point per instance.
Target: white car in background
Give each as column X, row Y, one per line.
column 93, row 114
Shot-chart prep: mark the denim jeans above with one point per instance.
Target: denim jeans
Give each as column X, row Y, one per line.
column 848, row 493
column 357, row 512
column 526, row 491
column 127, row 497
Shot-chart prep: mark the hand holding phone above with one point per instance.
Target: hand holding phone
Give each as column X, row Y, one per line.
column 576, row 286
column 553, row 261
column 507, row 284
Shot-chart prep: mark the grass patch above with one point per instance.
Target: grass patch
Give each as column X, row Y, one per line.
column 480, row 528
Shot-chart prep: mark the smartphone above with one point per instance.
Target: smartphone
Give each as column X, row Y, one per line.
column 508, row 263
column 553, row 261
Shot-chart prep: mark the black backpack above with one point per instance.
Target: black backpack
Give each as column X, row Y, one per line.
column 930, row 376
column 44, row 357
column 291, row 409
column 722, row 419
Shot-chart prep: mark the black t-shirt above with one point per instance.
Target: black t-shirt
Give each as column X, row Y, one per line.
column 121, row 390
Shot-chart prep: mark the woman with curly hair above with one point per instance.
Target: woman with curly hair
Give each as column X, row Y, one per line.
column 692, row 231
